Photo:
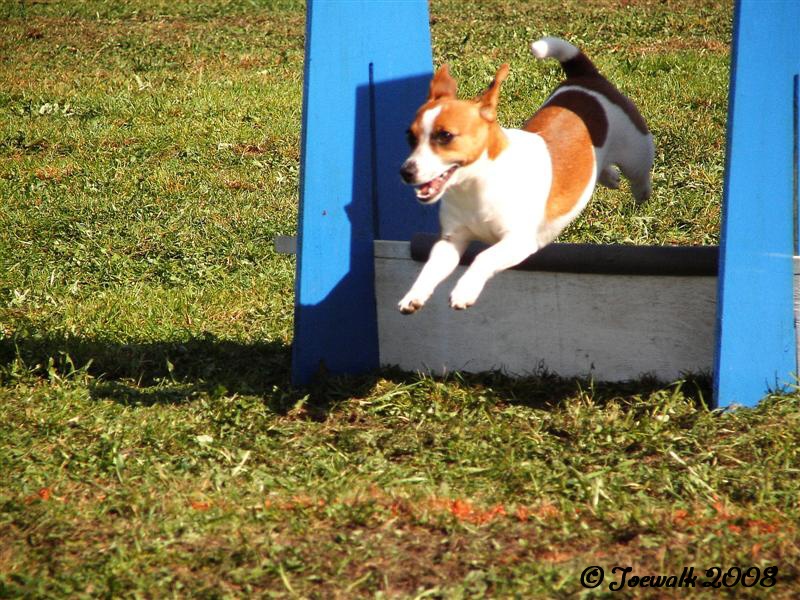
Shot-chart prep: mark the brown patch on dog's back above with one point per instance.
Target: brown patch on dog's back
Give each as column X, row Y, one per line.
column 588, row 109
column 570, row 124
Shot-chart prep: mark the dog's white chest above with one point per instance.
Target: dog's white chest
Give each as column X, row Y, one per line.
column 504, row 194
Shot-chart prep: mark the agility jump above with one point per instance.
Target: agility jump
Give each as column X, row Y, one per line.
column 729, row 311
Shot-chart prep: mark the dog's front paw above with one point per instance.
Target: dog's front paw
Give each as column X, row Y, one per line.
column 464, row 295
column 460, row 303
column 411, row 303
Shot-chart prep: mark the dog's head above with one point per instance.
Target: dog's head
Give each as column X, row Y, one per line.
column 448, row 134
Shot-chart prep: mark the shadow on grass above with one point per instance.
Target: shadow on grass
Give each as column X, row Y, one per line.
column 151, row 372
column 547, row 389
column 180, row 371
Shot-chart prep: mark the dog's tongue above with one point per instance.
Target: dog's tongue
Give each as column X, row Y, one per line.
column 433, row 187
column 430, row 189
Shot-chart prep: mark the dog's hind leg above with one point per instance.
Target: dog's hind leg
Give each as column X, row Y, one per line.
column 609, row 177
column 636, row 169
column 641, row 189
column 641, row 186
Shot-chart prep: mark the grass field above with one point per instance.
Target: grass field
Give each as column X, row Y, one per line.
column 151, row 444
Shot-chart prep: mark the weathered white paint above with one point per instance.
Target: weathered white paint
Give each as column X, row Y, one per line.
column 610, row 327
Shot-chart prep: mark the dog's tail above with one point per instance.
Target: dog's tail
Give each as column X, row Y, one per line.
column 574, row 62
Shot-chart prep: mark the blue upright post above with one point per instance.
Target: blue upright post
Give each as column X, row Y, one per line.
column 756, row 346
column 367, row 67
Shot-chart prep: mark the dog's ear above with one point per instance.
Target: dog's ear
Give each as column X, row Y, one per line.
column 488, row 100
column 442, row 85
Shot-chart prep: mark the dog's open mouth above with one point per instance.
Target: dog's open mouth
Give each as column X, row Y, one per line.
column 430, row 190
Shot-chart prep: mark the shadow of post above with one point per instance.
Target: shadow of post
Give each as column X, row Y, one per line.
column 337, row 333
column 133, row 372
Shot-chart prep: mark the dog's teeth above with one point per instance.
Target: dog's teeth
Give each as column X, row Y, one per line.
column 433, row 188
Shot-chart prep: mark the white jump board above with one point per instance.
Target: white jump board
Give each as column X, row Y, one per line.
column 609, row 327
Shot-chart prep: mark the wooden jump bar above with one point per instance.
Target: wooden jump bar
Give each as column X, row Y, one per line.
column 600, row 259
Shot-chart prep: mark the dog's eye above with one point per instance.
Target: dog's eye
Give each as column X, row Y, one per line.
column 443, row 137
column 412, row 139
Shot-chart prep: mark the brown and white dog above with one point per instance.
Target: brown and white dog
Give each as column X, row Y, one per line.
column 517, row 189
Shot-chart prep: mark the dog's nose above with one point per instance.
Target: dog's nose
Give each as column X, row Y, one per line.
column 409, row 171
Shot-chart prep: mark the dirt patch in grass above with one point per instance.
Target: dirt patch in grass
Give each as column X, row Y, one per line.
column 417, row 545
column 672, row 45
column 56, row 51
column 91, row 35
column 237, row 185
column 248, row 149
column 663, row 4
column 53, row 173
column 404, row 545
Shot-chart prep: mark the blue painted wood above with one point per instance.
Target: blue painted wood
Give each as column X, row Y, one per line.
column 367, row 68
column 400, row 215
column 756, row 349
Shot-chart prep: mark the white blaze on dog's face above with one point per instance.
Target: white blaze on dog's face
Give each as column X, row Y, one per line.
column 448, row 134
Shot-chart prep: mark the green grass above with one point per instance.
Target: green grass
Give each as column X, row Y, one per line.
column 150, row 442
